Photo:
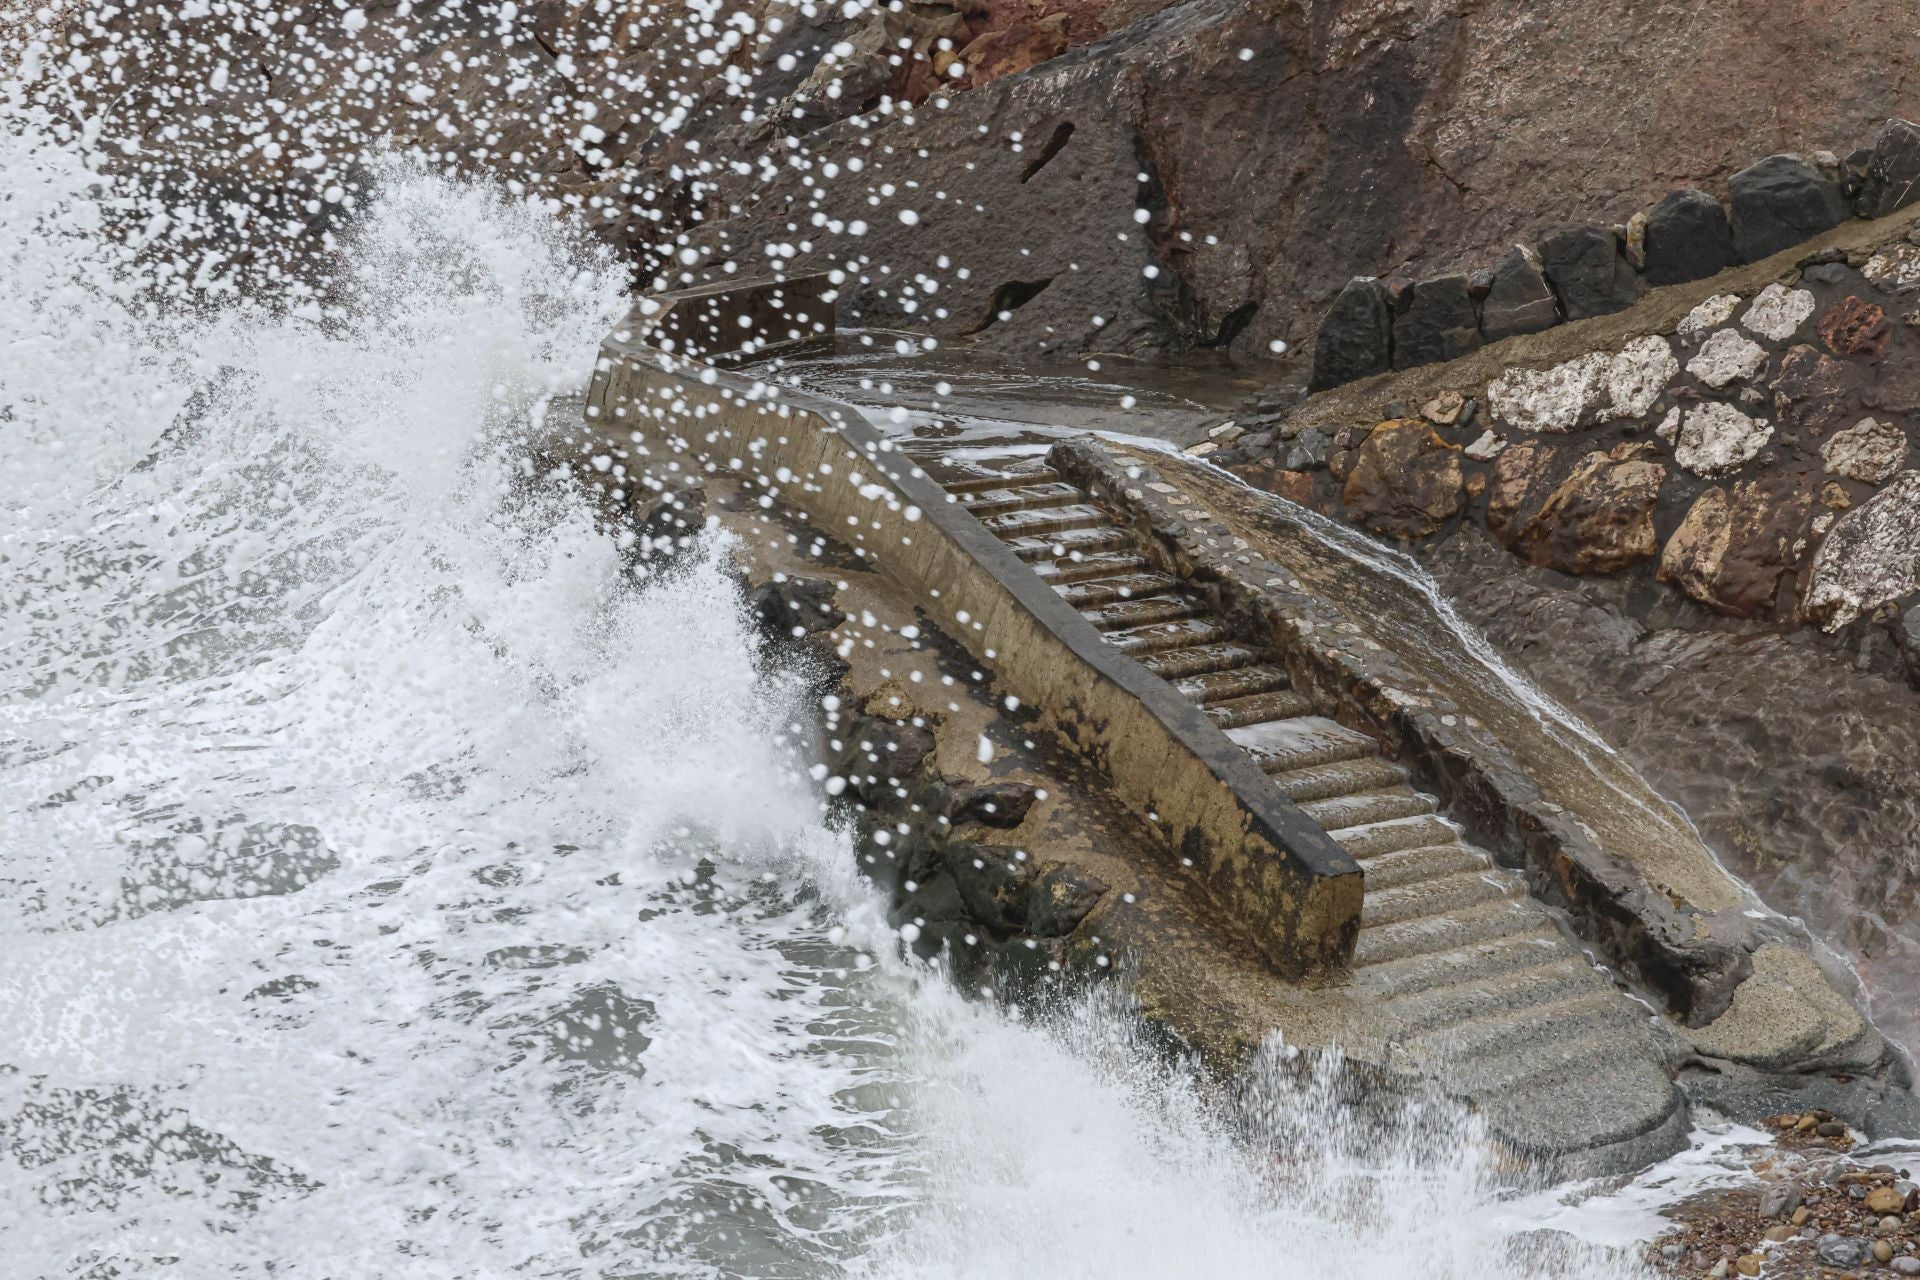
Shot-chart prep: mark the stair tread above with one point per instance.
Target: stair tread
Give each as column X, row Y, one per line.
column 988, row 502
column 1090, row 567
column 1209, row 688
column 1366, row 808
column 1199, row 660
column 1034, row 520
column 1561, row 977
column 1285, row 745
column 1342, row 777
column 1368, row 840
column 1259, row 708
column 1426, row 935
column 970, row 480
column 1123, row 614
column 1392, row 979
column 1437, row 896
column 1119, row 586
column 1527, row 1040
column 1186, row 633
column 1053, row 546
column 1424, row 862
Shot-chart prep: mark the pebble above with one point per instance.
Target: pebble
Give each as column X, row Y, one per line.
column 1906, row 1266
column 1842, row 1251
column 1882, row 1251
column 1884, row 1200
column 1749, row 1264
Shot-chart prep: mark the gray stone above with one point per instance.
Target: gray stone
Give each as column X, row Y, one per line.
column 1870, row 451
column 1519, row 300
column 1892, row 180
column 1061, row 899
column 1871, row 556
column 1727, row 357
column 1310, row 451
column 1356, row 337
column 1584, row 266
column 1713, row 439
column 792, row 607
column 1688, row 238
column 1778, row 312
column 1777, row 1199
column 1843, row 1251
column 1906, row 1265
column 1780, row 202
column 1906, row 634
column 994, row 804
column 1834, row 273
column 1438, row 324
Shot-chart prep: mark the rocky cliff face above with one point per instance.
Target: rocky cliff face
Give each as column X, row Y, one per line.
column 1081, row 175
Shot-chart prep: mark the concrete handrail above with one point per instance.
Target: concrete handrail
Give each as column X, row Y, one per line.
column 1295, row 891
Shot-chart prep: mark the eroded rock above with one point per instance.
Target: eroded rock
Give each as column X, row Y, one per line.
column 1356, row 337
column 1439, row 323
column 1735, row 546
column 1855, row 327
column 1597, row 520
column 1727, row 357
column 1713, row 439
column 1778, row 312
column 1518, row 299
column 1893, row 170
column 1896, row 269
column 1780, row 202
column 1585, row 391
column 1708, row 316
column 1871, row 556
column 1870, row 451
column 1406, row 481
column 1813, row 392
column 1584, row 266
column 1688, row 237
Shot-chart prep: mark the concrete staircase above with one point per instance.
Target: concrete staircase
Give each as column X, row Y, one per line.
column 1458, row 974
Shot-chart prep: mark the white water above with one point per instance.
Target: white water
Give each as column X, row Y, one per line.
column 390, row 888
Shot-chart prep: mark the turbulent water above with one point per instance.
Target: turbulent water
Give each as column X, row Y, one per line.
column 392, row 886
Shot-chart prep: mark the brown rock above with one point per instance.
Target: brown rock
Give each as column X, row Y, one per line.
column 1885, row 1200
column 1736, row 545
column 1814, row 392
column 1406, row 481
column 1022, row 46
column 1834, row 497
column 1597, row 520
column 1294, row 486
column 1444, row 409
column 1855, row 327
column 1519, row 483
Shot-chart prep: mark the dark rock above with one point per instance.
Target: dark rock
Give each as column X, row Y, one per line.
column 1480, row 283
column 1356, row 337
column 1777, row 1199
column 994, row 804
column 1405, row 481
column 1688, row 238
column 994, row 881
column 1294, row 486
column 1892, row 179
column 1061, row 899
column 1813, row 392
column 1855, row 327
column 1399, row 294
column 1779, row 202
column 1736, row 547
column 1521, row 483
column 880, row 755
column 1597, row 520
column 1310, row 450
column 1830, row 273
column 1906, row 635
column 1439, row 324
column 668, row 523
column 1584, row 266
column 790, row 607
column 1519, row 300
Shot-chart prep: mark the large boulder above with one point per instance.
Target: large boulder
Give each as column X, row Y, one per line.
column 1736, row 546
column 1356, row 337
column 1406, row 482
column 1813, row 392
column 1439, row 323
column 1688, row 237
column 1780, row 202
column 1586, row 270
column 1597, row 520
column 1872, row 556
column 1519, row 299
column 1893, row 171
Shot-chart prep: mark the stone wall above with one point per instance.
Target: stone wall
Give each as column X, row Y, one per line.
column 1747, row 441
column 1577, row 271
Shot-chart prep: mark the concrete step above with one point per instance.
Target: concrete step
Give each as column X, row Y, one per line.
column 1089, row 566
column 1343, row 813
column 1122, row 614
column 1607, row 1087
column 1427, row 935
column 1056, row 546
column 1411, row 866
column 1281, row 746
column 1528, row 949
column 1207, row 659
column 992, row 502
column 964, row 479
column 1394, row 834
column 1034, row 520
column 1344, row 778
column 1566, row 976
column 1184, row 634
column 1120, row 586
column 1258, row 708
column 1508, row 1046
column 1238, row 682
column 1437, row 896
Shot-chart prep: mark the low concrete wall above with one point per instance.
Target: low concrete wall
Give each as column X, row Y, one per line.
column 1273, row 869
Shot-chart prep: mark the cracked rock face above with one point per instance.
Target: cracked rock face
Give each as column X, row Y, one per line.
column 1713, row 439
column 1872, row 556
column 1727, row 358
column 1871, row 451
column 1586, row 391
column 1778, row 312
column 1736, row 546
